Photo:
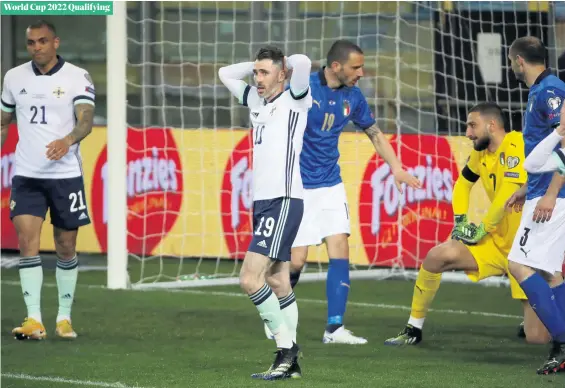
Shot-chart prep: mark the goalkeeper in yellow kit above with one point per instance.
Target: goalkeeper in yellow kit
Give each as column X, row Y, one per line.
column 479, row 250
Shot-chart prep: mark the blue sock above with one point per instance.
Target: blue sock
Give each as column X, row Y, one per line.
column 337, row 290
column 543, row 302
column 559, row 293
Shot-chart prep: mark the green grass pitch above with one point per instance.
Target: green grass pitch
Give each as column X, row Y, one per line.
column 213, row 337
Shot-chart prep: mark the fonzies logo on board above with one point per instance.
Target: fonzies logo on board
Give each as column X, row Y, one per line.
column 154, row 189
column 236, row 200
column 426, row 215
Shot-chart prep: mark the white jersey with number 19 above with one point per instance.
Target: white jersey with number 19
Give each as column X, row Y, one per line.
column 44, row 107
column 278, row 130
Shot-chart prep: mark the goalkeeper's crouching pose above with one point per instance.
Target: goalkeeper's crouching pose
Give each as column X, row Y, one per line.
column 479, row 250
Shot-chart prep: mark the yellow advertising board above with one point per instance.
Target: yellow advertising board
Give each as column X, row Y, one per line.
column 189, row 195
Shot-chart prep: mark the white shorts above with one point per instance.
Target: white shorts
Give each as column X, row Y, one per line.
column 326, row 213
column 540, row 245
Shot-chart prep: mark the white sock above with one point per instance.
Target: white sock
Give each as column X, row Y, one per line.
column 416, row 322
column 289, row 308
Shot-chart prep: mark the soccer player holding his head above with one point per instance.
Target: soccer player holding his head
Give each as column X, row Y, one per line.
column 481, row 251
column 53, row 102
column 279, row 119
column 336, row 102
column 537, row 252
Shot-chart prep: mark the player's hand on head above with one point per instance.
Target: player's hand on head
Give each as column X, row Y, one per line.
column 57, row 149
column 402, row 176
column 544, row 209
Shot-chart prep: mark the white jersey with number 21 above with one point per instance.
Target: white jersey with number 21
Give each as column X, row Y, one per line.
column 44, row 107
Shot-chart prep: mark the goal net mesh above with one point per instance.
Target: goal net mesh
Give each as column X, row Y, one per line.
column 189, row 150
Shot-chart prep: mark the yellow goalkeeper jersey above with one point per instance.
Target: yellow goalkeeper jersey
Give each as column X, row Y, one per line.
column 499, row 173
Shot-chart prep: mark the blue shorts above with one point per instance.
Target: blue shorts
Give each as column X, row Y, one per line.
column 275, row 225
column 65, row 199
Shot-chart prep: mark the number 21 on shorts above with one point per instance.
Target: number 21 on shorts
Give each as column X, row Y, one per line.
column 77, row 199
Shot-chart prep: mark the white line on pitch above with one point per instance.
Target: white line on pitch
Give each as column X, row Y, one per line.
column 21, row 376
column 300, row 300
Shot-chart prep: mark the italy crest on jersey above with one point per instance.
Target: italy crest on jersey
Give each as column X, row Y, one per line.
column 346, row 108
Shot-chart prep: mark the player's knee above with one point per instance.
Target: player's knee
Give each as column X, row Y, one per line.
column 250, row 282
column 439, row 258
column 338, row 246
column 29, row 243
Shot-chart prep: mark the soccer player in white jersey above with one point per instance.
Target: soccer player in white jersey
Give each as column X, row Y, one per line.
column 53, row 102
column 279, row 120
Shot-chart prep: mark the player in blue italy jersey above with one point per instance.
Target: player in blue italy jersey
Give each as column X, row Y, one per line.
column 536, row 256
column 336, row 101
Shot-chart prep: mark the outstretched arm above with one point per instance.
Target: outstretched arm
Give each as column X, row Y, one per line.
column 300, row 79
column 385, row 150
column 232, row 77
column 540, row 159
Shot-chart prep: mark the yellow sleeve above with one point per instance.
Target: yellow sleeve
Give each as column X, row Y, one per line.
column 514, row 159
column 464, row 184
column 496, row 211
column 513, row 177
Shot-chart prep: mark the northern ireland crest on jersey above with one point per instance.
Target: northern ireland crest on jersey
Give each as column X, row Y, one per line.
column 346, row 108
column 58, row 92
column 554, row 102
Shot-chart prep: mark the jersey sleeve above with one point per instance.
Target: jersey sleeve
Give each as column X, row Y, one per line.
column 83, row 92
column 513, row 170
column 362, row 116
column 232, row 77
column 471, row 170
column 549, row 102
column 8, row 101
column 250, row 97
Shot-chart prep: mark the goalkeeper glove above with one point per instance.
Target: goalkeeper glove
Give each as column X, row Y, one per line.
column 460, row 221
column 471, row 234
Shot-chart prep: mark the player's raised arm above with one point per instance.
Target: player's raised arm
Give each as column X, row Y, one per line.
column 232, row 77
column 385, row 150
column 300, row 79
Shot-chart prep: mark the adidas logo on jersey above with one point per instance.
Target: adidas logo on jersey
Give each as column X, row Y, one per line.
column 262, row 244
column 23, row 91
column 82, row 216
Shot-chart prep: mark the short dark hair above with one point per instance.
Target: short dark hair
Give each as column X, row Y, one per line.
column 340, row 51
column 43, row 23
column 490, row 108
column 270, row 52
column 530, row 48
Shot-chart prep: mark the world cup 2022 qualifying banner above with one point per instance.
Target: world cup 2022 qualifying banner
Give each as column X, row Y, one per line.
column 190, row 195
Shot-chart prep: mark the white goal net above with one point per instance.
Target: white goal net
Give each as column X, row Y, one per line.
column 188, row 151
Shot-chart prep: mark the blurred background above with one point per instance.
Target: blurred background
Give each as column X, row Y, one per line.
column 421, row 65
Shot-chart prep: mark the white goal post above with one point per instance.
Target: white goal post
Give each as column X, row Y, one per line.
column 178, row 164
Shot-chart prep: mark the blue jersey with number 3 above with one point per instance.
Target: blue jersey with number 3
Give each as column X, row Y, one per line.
column 331, row 111
column 545, row 99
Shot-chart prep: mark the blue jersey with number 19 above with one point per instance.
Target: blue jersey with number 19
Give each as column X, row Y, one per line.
column 546, row 96
column 331, row 111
